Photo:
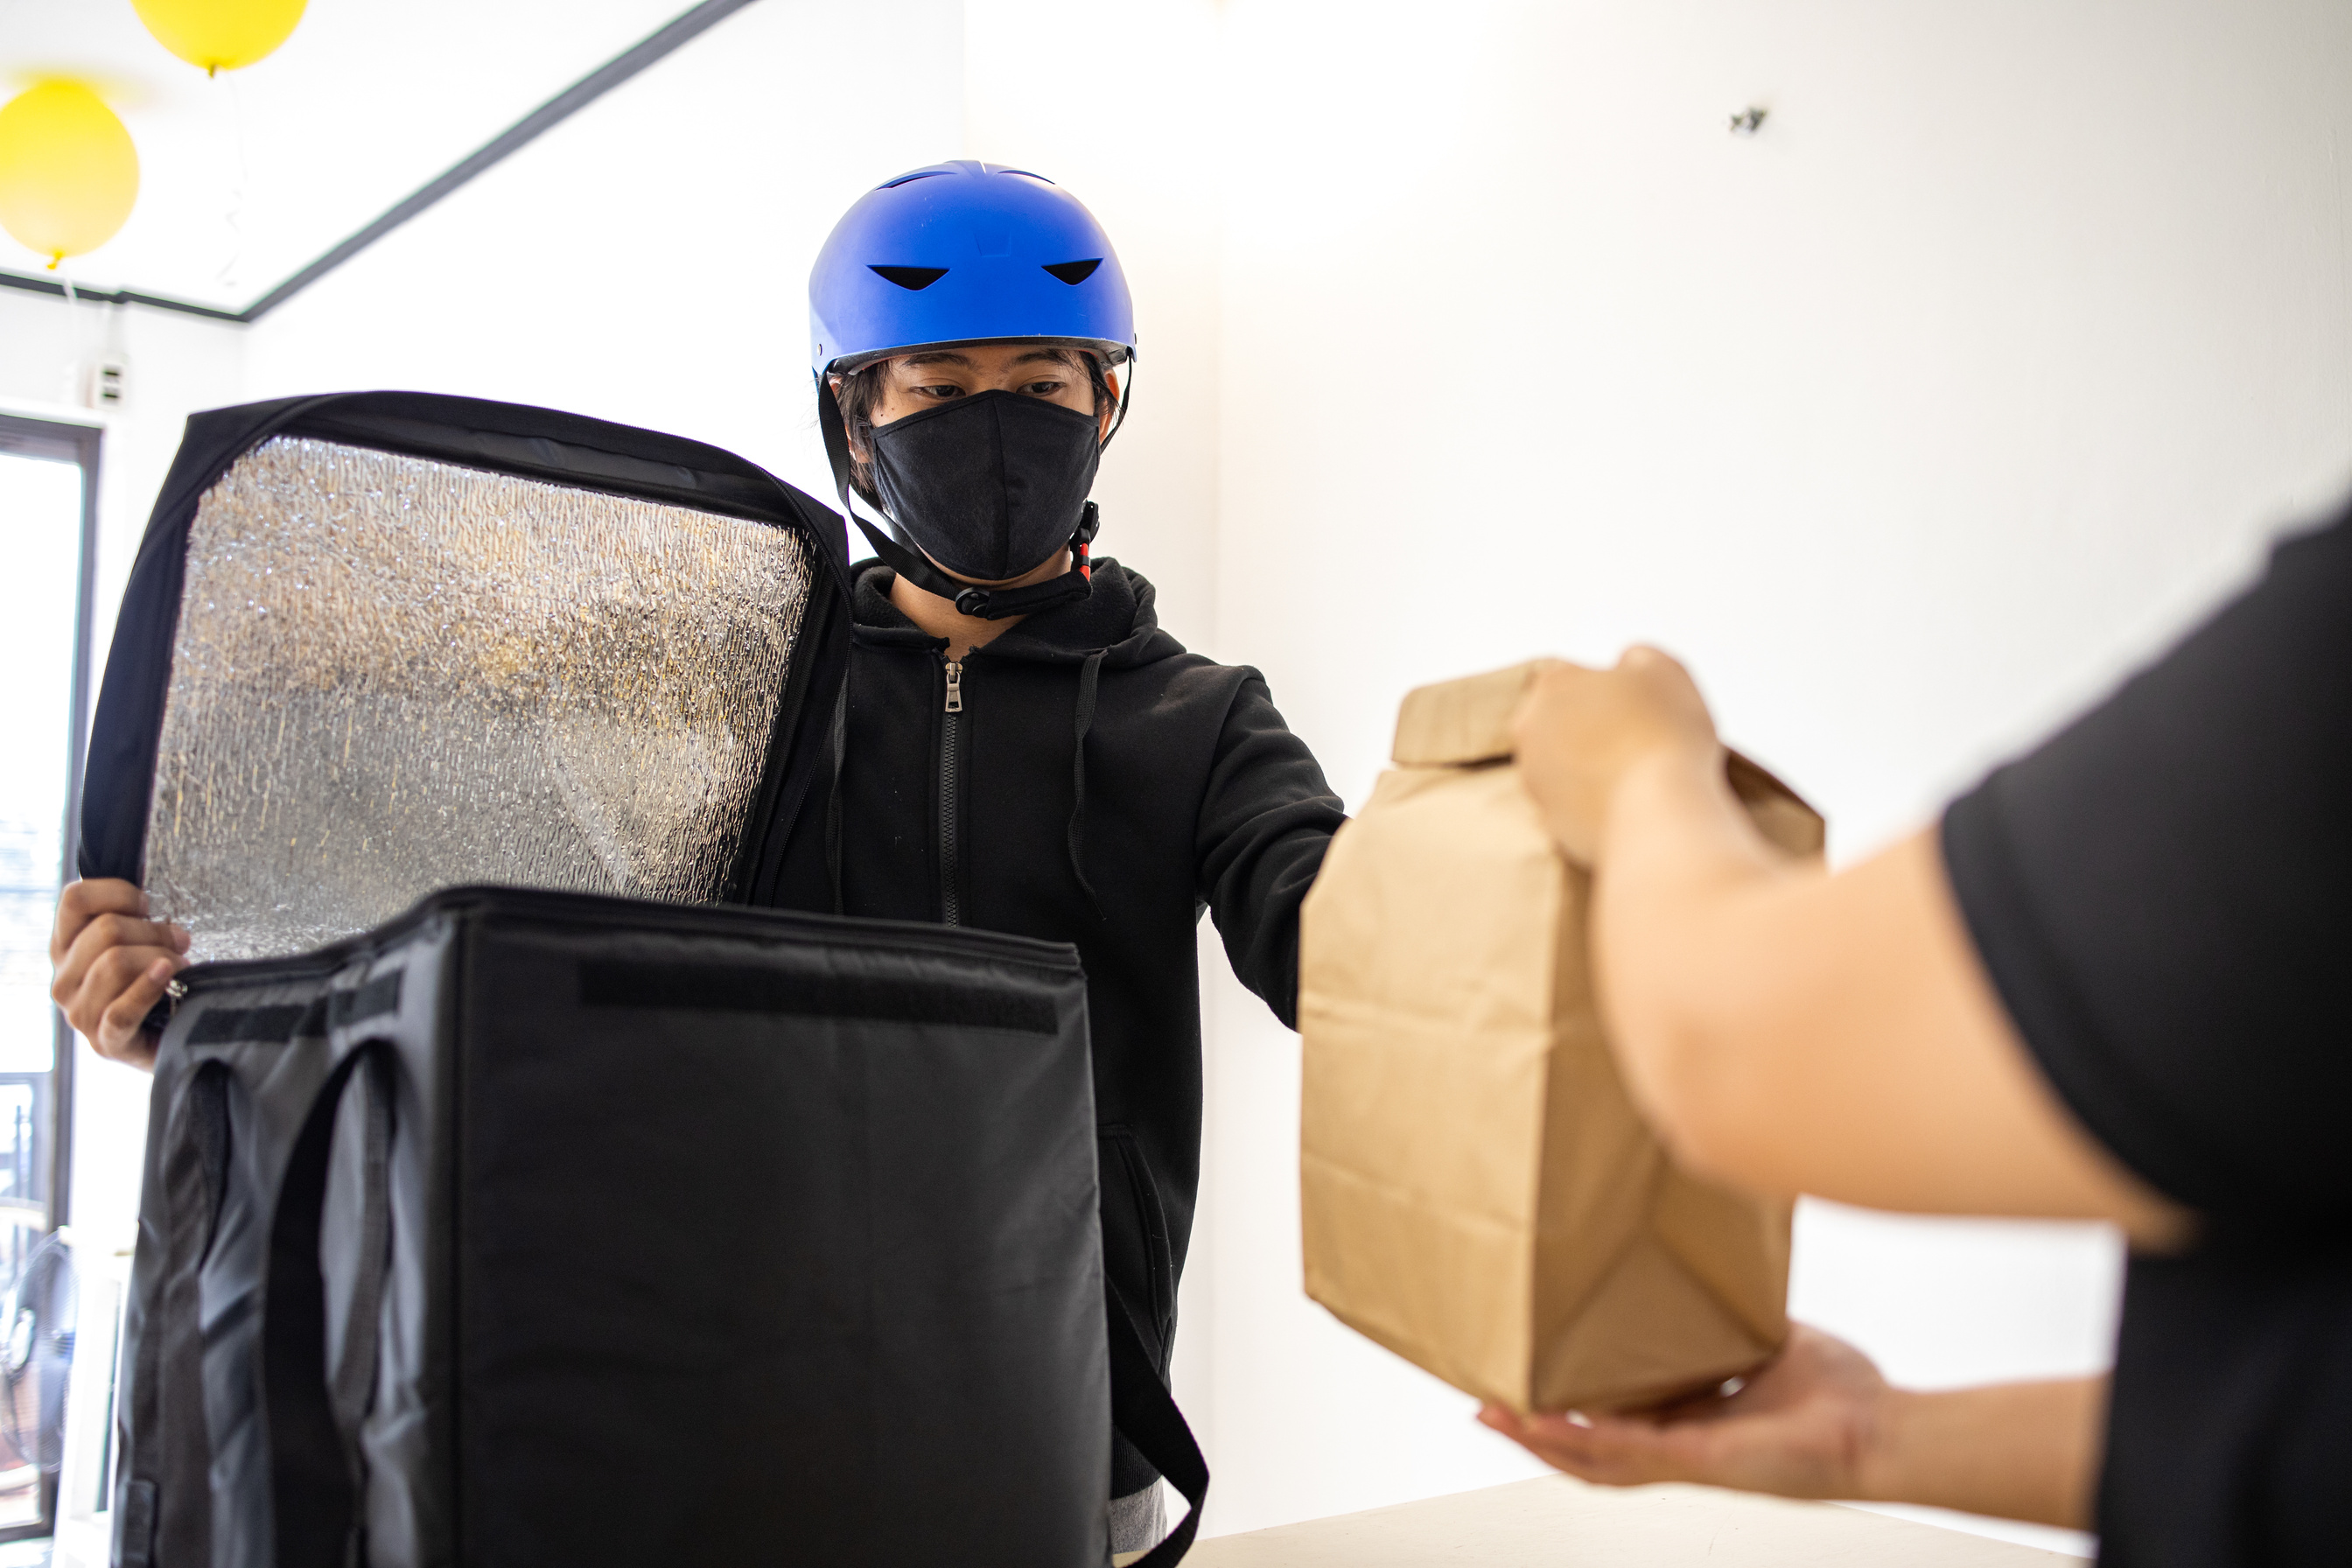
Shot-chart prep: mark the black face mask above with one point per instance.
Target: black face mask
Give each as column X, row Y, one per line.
column 988, row 486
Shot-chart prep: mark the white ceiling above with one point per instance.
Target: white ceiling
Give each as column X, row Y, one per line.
column 368, row 101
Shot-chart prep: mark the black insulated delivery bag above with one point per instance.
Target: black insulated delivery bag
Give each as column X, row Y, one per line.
column 573, row 1220
column 543, row 1228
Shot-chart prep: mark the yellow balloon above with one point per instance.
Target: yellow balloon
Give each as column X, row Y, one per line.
column 220, row 35
column 68, row 173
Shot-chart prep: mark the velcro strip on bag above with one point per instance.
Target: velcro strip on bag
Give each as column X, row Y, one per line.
column 223, row 1026
column 731, row 988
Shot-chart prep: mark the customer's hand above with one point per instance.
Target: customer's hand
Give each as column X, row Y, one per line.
column 111, row 966
column 1579, row 731
column 1810, row 1424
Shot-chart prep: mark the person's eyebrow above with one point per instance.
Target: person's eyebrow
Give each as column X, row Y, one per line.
column 941, row 356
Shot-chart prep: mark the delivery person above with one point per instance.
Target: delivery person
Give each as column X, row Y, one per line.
column 1019, row 747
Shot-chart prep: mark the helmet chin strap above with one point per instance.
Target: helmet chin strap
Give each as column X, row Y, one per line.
column 981, row 603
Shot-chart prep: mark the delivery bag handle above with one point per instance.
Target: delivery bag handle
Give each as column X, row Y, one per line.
column 164, row 1512
column 318, row 1473
column 1147, row 1416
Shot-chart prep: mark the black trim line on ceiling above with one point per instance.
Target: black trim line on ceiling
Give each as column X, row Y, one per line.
column 682, row 29
column 55, row 289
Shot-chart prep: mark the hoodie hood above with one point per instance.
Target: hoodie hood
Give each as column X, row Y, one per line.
column 1118, row 622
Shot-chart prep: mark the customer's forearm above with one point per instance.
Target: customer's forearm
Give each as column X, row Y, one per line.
column 1681, row 874
column 1792, row 1031
column 2021, row 1450
column 1786, row 1029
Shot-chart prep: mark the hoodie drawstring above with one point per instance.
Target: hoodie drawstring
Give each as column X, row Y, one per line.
column 832, row 800
column 1083, row 723
column 1088, row 674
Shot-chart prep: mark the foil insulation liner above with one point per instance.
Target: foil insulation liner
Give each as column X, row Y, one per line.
column 393, row 675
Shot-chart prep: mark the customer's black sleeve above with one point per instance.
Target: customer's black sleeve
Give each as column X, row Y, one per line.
column 2163, row 897
column 1266, row 821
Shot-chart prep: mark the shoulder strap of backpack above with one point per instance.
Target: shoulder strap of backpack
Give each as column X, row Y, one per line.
column 1144, row 1413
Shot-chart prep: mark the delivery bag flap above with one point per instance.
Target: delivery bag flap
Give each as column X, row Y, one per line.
column 377, row 644
column 1479, row 1193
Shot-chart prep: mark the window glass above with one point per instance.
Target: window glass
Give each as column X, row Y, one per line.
column 40, row 544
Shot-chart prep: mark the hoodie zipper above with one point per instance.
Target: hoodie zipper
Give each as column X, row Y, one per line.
column 951, row 752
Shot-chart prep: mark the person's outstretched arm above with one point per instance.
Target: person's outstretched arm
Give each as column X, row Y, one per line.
column 1794, row 1031
column 1785, row 1029
column 2114, row 972
column 1266, row 820
column 1819, row 1421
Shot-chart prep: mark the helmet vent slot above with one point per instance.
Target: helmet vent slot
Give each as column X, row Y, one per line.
column 1074, row 272
column 915, row 277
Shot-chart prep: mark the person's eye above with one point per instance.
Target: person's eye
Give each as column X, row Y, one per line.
column 942, row 392
column 1044, row 388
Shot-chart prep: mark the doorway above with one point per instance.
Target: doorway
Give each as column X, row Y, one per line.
column 48, row 523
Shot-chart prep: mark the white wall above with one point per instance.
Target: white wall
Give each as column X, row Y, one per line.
column 1910, row 421
column 1470, row 333
column 1130, row 144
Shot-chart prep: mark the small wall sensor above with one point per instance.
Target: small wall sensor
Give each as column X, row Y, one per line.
column 110, row 382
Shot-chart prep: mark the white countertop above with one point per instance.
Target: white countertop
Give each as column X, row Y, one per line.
column 1556, row 1522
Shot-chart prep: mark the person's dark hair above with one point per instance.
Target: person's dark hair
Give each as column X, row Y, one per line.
column 861, row 390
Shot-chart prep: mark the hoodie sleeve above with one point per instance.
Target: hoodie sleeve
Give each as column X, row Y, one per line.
column 1266, row 820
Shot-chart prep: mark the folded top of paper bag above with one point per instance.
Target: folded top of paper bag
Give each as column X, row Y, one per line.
column 1460, row 723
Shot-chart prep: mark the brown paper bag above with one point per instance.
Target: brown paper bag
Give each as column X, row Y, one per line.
column 1478, row 1193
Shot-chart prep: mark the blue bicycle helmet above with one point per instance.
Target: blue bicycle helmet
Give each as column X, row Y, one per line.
column 966, row 252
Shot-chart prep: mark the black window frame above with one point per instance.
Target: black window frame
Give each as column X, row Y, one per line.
column 59, row 440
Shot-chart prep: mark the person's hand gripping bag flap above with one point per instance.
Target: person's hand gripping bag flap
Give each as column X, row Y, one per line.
column 1479, row 1193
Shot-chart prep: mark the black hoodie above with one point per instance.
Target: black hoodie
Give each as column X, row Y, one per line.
column 1101, row 786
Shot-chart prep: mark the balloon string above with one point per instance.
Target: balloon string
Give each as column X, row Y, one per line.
column 235, row 214
column 76, row 369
